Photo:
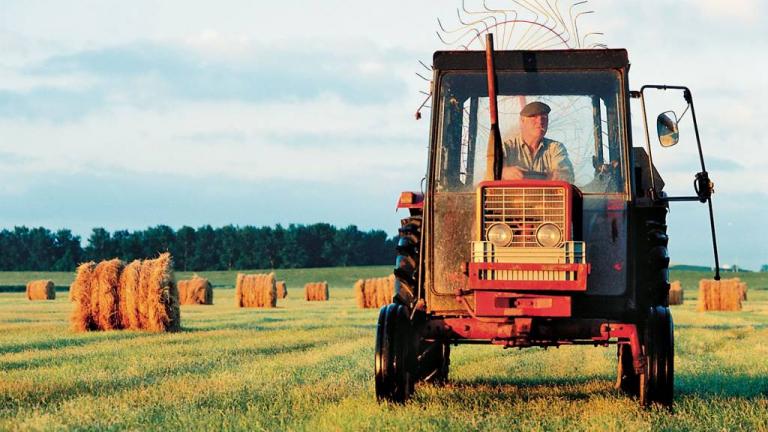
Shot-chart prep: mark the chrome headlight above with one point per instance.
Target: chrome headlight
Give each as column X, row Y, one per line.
column 499, row 234
column 548, row 235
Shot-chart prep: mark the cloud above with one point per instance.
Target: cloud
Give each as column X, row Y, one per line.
column 326, row 139
column 745, row 11
column 151, row 74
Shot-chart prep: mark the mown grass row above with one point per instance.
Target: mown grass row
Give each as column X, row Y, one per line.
column 308, row 366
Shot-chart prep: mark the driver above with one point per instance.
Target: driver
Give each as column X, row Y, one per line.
column 529, row 152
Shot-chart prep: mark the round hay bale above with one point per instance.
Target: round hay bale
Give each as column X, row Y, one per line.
column 162, row 300
column 239, row 289
column 41, row 290
column 105, row 295
column 129, row 296
column 195, row 291
column 675, row 293
column 282, row 290
column 80, row 318
column 359, row 290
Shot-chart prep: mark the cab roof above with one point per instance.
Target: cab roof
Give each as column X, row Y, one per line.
column 532, row 61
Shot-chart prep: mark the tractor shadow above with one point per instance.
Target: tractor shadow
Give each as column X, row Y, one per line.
column 508, row 389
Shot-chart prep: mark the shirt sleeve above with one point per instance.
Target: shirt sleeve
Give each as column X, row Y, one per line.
column 560, row 165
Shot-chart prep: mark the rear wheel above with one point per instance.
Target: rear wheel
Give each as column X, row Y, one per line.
column 393, row 362
column 657, row 381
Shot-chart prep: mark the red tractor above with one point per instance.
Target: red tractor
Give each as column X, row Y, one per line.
column 536, row 261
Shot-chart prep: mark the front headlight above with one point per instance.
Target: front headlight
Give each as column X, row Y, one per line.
column 548, row 235
column 499, row 234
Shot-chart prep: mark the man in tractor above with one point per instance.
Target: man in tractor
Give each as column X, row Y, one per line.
column 530, row 155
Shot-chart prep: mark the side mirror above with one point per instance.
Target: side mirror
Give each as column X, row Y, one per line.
column 666, row 127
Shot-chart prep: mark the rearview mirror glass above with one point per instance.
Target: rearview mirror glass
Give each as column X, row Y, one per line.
column 666, row 127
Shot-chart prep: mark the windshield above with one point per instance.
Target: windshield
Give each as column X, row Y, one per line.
column 583, row 136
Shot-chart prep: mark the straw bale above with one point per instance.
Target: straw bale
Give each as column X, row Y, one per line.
column 81, row 296
column 239, row 289
column 282, row 290
column 359, row 290
column 256, row 290
column 129, row 296
column 675, row 293
column 722, row 295
column 41, row 290
column 316, row 291
column 195, row 291
column 105, row 296
column 162, row 295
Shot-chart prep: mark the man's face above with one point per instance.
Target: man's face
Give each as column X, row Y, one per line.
column 535, row 126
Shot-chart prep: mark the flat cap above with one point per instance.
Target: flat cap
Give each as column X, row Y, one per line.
column 535, row 108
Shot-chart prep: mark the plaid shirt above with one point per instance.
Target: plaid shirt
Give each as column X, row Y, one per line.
column 551, row 158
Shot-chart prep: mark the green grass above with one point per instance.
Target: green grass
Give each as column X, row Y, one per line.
column 308, row 366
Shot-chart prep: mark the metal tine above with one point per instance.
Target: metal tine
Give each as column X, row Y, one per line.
column 506, row 35
column 472, row 23
column 576, row 20
column 525, row 34
column 460, row 37
column 584, row 38
column 534, row 6
column 557, row 17
column 573, row 19
column 512, row 31
column 425, row 93
column 458, row 29
column 429, row 68
column 422, row 77
column 547, row 37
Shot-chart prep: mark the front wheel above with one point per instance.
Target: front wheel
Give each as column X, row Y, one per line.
column 393, row 365
column 658, row 380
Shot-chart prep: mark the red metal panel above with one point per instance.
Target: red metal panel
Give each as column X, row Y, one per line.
column 501, row 304
column 578, row 284
column 411, row 200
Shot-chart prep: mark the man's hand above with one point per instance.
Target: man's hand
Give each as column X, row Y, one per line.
column 512, row 173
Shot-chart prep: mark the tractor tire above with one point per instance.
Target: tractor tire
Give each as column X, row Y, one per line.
column 407, row 262
column 627, row 380
column 656, row 269
column 657, row 383
column 393, row 362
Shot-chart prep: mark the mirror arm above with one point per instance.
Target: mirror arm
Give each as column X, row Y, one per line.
column 702, row 183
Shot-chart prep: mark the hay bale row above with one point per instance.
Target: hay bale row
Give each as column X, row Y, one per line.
column 113, row 296
column 374, row 293
column 195, row 291
column 722, row 295
column 41, row 290
column 256, row 290
column 282, row 290
column 675, row 293
column 316, row 291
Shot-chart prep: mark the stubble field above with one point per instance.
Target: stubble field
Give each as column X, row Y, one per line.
column 309, row 366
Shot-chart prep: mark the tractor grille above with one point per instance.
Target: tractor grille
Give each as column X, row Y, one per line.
column 524, row 209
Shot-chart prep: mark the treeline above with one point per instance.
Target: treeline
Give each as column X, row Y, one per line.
column 205, row 248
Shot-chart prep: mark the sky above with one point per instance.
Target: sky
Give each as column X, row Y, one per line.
column 126, row 115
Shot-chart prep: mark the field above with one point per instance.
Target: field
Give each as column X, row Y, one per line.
column 309, row 366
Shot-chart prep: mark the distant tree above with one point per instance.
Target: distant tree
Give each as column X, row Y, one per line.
column 764, row 268
column 68, row 252
column 100, row 245
column 184, row 247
